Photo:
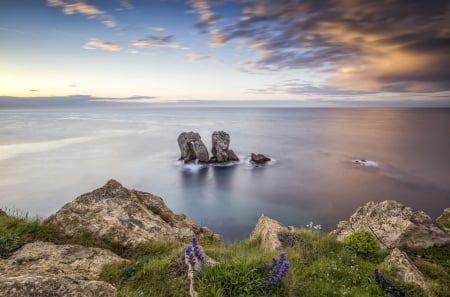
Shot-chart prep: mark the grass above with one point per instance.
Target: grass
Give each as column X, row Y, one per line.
column 320, row 266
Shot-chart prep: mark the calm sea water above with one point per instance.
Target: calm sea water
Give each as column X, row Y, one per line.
column 49, row 157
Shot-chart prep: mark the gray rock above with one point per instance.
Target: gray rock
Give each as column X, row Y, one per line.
column 220, row 148
column 259, row 158
column 119, row 215
column 41, row 285
column 403, row 268
column 75, row 261
column 192, row 147
column 272, row 235
column 43, row 269
column 394, row 225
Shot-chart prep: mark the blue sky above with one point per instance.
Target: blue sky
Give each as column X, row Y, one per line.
column 173, row 50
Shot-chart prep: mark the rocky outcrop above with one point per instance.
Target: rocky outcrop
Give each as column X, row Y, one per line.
column 444, row 219
column 123, row 216
column 43, row 269
column 394, row 225
column 259, row 158
column 402, row 267
column 75, row 261
column 38, row 285
column 192, row 147
column 272, row 235
column 220, row 148
column 2, row 213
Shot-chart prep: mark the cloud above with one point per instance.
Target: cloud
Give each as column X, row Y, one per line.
column 157, row 29
column 203, row 9
column 393, row 46
column 95, row 43
column 70, row 7
column 166, row 41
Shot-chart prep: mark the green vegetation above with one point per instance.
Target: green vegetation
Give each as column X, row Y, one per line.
column 361, row 242
column 443, row 222
column 320, row 266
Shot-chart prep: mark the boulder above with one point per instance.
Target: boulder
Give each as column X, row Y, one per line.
column 192, row 147
column 41, row 285
column 403, row 268
column 444, row 219
column 43, row 269
column 259, row 158
column 119, row 215
column 220, row 148
column 394, row 225
column 272, row 235
column 76, row 261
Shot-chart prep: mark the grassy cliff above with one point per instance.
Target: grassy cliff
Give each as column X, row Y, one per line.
column 319, row 266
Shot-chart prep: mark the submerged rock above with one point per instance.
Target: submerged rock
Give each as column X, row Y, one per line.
column 123, row 216
column 220, row 148
column 75, row 261
column 259, row 158
column 272, row 235
column 192, row 147
column 394, row 225
column 403, row 268
column 41, row 285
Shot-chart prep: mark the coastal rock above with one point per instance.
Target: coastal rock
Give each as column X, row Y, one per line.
column 192, row 147
column 220, row 148
column 444, row 218
column 394, row 225
column 2, row 213
column 259, row 158
column 403, row 268
column 75, row 261
column 39, row 285
column 272, row 235
column 119, row 215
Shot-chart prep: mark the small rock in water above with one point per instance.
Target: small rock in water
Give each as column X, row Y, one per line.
column 259, row 158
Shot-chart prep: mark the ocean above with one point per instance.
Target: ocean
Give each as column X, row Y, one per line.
column 50, row 156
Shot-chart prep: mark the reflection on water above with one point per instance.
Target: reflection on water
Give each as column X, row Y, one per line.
column 313, row 178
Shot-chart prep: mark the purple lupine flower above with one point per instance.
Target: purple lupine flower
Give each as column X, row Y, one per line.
column 385, row 284
column 279, row 269
column 194, row 241
column 190, row 255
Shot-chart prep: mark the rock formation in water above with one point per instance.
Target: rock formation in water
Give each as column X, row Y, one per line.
column 394, row 225
column 192, row 147
column 403, row 268
column 42, row 269
column 259, row 158
column 123, row 216
column 272, row 235
column 220, row 148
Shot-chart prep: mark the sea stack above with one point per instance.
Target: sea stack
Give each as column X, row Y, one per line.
column 220, row 148
column 192, row 147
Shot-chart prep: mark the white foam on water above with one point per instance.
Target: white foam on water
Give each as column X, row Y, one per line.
column 192, row 167
column 368, row 163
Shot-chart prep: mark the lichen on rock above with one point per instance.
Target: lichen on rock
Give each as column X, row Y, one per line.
column 122, row 216
column 272, row 235
column 394, row 225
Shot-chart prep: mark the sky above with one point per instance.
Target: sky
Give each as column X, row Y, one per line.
column 311, row 51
